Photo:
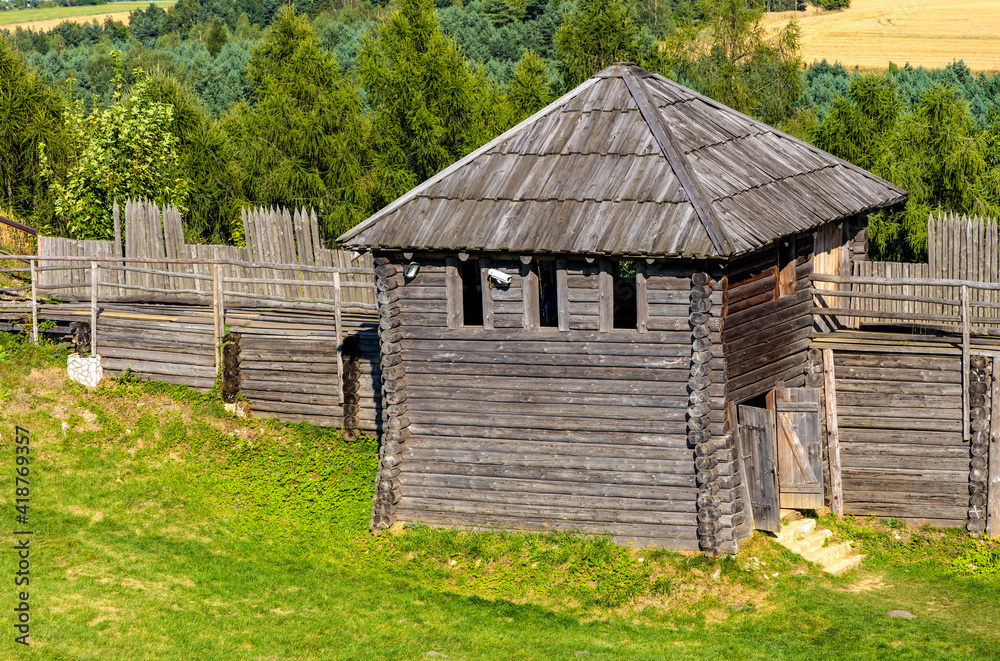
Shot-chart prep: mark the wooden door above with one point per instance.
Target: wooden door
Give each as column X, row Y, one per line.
column 757, row 447
column 800, row 459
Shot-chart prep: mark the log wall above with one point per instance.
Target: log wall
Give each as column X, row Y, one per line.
column 899, row 414
column 545, row 429
column 766, row 336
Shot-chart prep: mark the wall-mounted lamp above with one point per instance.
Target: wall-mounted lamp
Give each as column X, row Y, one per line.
column 411, row 271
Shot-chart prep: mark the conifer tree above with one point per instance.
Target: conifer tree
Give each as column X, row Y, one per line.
column 304, row 141
column 528, row 91
column 29, row 114
column 595, row 34
column 429, row 106
column 217, row 37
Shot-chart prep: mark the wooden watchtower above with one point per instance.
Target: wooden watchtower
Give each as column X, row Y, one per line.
column 581, row 319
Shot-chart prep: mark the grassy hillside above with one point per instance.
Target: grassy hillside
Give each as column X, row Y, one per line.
column 49, row 17
column 164, row 529
column 929, row 33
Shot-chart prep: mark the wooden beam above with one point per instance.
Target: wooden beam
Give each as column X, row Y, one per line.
column 668, row 145
column 562, row 294
column 993, row 467
column 641, row 297
column 833, row 433
column 605, row 296
column 529, row 295
column 484, row 283
column 93, row 308
column 453, row 286
column 965, row 363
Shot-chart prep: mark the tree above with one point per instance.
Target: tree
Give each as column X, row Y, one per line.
column 126, row 150
column 595, row 34
column 29, row 113
column 305, row 140
column 933, row 151
column 217, row 37
column 529, row 90
column 429, row 106
column 732, row 58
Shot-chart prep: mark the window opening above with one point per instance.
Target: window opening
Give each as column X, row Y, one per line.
column 626, row 310
column 548, row 300
column 472, row 293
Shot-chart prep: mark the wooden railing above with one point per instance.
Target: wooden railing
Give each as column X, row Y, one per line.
column 220, row 283
column 965, row 306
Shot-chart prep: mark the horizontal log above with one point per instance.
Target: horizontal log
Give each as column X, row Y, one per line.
column 626, row 450
column 638, row 363
column 919, row 437
column 670, row 512
column 659, row 520
column 849, row 373
column 295, row 407
column 845, row 359
column 640, row 464
column 679, row 400
column 911, row 450
column 635, row 535
column 515, row 371
column 889, row 414
column 906, row 498
column 675, row 494
column 917, row 510
column 918, row 424
column 549, row 474
column 180, row 357
column 908, row 484
column 880, row 387
column 318, row 420
column 158, row 368
column 571, row 422
column 893, row 462
column 488, row 406
column 448, row 432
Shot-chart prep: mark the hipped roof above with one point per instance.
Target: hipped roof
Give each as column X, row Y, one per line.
column 628, row 163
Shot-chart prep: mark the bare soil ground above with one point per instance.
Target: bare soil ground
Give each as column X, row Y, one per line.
column 929, row 33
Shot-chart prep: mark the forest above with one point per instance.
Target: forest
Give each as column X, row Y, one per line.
column 343, row 105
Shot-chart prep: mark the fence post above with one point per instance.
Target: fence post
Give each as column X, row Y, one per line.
column 34, row 306
column 965, row 363
column 93, row 308
column 340, row 337
column 216, row 306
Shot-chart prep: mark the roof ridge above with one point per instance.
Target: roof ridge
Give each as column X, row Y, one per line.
column 767, row 128
column 668, row 145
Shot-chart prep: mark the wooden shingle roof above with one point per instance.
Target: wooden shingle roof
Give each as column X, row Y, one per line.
column 628, row 163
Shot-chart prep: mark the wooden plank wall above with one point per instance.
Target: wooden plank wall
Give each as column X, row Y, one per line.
column 958, row 248
column 766, row 338
column 273, row 236
column 899, row 416
column 547, row 429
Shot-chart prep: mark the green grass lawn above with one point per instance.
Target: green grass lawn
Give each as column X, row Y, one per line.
column 164, row 529
column 49, row 13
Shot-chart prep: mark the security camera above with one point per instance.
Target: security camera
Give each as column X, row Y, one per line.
column 500, row 278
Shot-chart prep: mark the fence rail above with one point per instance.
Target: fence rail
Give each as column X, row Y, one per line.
column 309, row 287
column 278, row 242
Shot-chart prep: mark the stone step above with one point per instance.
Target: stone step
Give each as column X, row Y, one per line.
column 800, row 536
column 810, row 542
column 795, row 530
column 827, row 554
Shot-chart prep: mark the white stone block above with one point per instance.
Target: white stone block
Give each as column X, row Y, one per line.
column 85, row 369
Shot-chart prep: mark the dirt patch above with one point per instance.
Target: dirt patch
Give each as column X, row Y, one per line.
column 47, row 380
column 867, row 584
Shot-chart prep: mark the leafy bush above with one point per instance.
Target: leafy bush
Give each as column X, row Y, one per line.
column 981, row 562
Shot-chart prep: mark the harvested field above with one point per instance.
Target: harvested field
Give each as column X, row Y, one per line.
column 50, row 17
column 928, row 33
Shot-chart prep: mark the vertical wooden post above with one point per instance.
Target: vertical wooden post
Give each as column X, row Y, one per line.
column 833, row 433
column 965, row 363
column 116, row 215
column 529, row 295
column 562, row 294
column 993, row 460
column 34, row 305
column 641, row 297
column 453, row 288
column 340, row 338
column 216, row 289
column 605, row 296
column 484, row 283
column 93, row 308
